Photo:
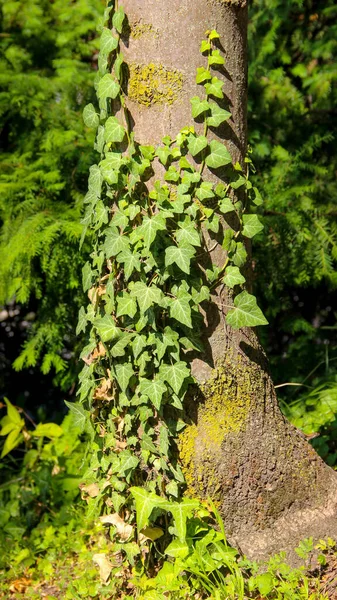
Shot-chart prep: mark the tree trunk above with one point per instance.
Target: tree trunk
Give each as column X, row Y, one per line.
column 271, row 487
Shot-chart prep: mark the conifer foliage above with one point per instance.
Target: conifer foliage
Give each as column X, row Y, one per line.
column 48, row 50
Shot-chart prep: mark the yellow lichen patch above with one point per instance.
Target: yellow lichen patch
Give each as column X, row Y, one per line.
column 139, row 29
column 230, row 2
column 154, row 84
column 226, row 400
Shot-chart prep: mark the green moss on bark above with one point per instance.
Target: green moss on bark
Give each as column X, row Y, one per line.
column 154, row 84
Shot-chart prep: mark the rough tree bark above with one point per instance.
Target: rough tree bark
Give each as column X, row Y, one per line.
column 270, row 485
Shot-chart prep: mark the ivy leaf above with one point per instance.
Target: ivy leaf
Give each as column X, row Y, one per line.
column 216, row 58
column 251, row 225
column 219, row 115
column 95, row 180
column 175, row 375
column 90, row 116
column 145, row 503
column 131, row 262
column 226, row 205
column 205, row 191
column 240, row 255
column 180, row 512
column 172, row 174
column 118, row 349
column 114, row 131
column 196, row 144
column 180, row 310
column 108, row 87
column 214, row 88
column 181, row 256
column 126, row 305
column 118, row 19
column 115, row 242
column 106, row 328
column 146, row 295
column 166, row 340
column 87, row 275
column 150, row 226
column 198, row 106
column 202, row 75
column 163, row 153
column 80, row 415
column 246, row 312
column 124, row 373
column 187, row 234
column 219, row 155
column 154, row 390
column 108, row 42
column 82, row 321
column 205, row 46
column 233, row 277
column 138, row 345
column 110, row 167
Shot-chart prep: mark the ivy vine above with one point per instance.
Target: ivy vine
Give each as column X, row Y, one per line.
column 144, row 280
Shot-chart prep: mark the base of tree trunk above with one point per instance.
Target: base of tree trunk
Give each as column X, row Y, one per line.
column 269, row 484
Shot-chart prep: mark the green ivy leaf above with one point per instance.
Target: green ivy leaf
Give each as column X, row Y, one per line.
column 154, row 390
column 175, row 375
column 251, row 225
column 110, row 167
column 95, row 180
column 106, row 328
column 205, row 191
column 90, row 116
column 118, row 19
column 233, row 277
column 215, row 88
column 196, row 144
column 150, row 226
column 82, row 321
column 80, row 415
column 215, row 58
column 226, row 205
column 131, row 261
column 240, row 255
column 180, row 512
column 181, row 256
column 115, row 242
column 108, row 42
column 202, row 75
column 198, row 106
column 164, row 153
column 219, row 156
column 205, row 46
column 145, row 503
column 180, row 310
column 126, row 305
column 124, row 373
column 146, row 295
column 114, row 131
column 108, row 87
column 246, row 312
column 118, row 349
column 219, row 115
column 187, row 235
column 87, row 275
